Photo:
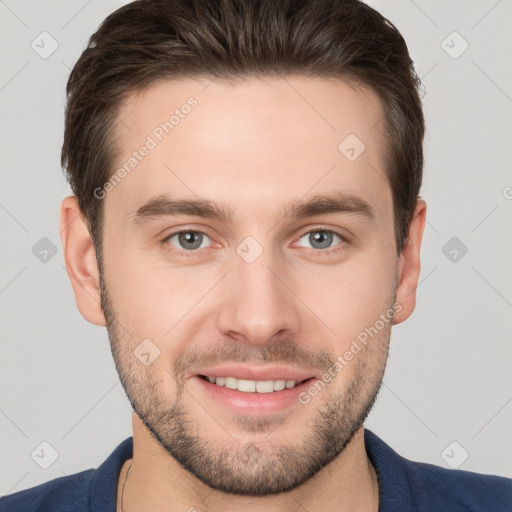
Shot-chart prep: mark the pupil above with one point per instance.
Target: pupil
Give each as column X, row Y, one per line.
column 322, row 237
column 190, row 237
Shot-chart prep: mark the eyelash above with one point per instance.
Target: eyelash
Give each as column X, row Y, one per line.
column 195, row 252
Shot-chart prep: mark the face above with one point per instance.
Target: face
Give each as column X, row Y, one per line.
column 252, row 243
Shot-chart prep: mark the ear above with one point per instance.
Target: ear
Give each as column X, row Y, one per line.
column 80, row 258
column 409, row 265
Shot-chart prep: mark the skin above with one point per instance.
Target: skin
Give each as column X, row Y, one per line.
column 252, row 146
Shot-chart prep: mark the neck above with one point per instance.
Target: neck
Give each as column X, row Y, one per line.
column 156, row 480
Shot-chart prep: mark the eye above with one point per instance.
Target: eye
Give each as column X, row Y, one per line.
column 187, row 240
column 321, row 239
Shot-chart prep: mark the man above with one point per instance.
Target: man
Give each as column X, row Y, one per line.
column 246, row 180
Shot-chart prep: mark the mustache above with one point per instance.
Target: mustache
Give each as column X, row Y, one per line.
column 284, row 351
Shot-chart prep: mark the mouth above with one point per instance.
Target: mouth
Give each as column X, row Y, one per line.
column 254, row 386
column 250, row 398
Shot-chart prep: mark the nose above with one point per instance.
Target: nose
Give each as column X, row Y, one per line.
column 259, row 302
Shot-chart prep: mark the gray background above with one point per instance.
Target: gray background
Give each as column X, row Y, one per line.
column 449, row 373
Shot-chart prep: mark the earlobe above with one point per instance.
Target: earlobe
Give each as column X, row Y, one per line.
column 409, row 265
column 80, row 259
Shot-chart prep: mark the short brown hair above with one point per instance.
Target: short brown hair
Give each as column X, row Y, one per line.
column 150, row 40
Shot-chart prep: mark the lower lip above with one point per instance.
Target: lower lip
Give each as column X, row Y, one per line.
column 254, row 403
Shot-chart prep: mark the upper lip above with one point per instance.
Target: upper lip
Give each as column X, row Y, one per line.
column 266, row 372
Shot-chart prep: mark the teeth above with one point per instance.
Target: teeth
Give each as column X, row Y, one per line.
column 248, row 386
column 253, row 386
column 230, row 382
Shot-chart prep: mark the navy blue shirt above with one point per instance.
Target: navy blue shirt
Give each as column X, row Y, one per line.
column 404, row 485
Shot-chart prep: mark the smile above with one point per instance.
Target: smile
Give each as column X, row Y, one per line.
column 252, row 386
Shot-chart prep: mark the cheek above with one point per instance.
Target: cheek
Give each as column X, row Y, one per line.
column 154, row 300
column 158, row 302
column 350, row 297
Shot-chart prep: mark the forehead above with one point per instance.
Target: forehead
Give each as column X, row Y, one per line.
column 249, row 143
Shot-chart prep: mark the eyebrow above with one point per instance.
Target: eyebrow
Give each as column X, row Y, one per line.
column 340, row 202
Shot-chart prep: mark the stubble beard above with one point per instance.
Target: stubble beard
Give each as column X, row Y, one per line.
column 259, row 467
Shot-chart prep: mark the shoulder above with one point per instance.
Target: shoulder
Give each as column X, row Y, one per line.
column 464, row 490
column 409, row 485
column 64, row 494
column 89, row 490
